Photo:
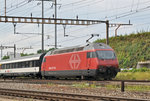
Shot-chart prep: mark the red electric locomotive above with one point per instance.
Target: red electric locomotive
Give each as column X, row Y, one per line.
column 96, row 60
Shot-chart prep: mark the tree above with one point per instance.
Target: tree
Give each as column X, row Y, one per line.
column 45, row 51
column 5, row 57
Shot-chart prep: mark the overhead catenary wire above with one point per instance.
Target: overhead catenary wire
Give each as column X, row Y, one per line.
column 119, row 15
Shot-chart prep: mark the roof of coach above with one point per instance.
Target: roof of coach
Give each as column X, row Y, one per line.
column 20, row 59
column 89, row 46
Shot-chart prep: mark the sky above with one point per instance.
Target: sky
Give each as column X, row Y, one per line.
column 116, row 11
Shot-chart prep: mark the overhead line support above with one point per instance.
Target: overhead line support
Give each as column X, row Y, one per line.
column 118, row 26
column 55, row 24
column 59, row 21
column 42, row 26
column 15, row 19
column 5, row 47
column 107, row 32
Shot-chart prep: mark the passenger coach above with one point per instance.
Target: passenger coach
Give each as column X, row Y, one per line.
column 24, row 66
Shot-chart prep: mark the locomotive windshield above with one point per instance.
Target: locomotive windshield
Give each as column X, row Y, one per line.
column 106, row 55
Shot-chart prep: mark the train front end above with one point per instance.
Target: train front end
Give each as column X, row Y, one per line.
column 106, row 64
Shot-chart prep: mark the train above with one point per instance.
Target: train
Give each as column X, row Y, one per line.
column 90, row 61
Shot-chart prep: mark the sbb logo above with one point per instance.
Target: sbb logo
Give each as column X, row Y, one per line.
column 75, row 61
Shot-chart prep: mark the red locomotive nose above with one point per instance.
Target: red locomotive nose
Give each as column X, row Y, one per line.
column 109, row 63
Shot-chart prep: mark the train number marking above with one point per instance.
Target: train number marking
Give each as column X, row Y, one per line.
column 50, row 68
column 75, row 61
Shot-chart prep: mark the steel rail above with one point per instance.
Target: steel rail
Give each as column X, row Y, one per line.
column 69, row 82
column 61, row 96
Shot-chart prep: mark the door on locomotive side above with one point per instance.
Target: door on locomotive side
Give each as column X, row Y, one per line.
column 88, row 60
column 92, row 62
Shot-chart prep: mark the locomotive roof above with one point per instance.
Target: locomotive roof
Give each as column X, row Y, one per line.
column 20, row 59
column 89, row 46
column 96, row 46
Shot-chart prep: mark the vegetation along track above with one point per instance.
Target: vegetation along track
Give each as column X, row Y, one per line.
column 60, row 96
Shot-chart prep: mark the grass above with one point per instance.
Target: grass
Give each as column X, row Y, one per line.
column 133, row 76
column 84, row 85
column 140, row 88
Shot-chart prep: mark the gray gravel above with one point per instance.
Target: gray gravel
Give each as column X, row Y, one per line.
column 78, row 90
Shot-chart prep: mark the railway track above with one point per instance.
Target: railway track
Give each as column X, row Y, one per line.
column 119, row 83
column 68, row 82
column 51, row 96
column 59, row 82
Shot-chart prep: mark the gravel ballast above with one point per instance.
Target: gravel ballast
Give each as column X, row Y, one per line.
column 100, row 91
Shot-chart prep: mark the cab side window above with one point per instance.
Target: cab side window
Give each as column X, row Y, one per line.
column 44, row 60
column 91, row 55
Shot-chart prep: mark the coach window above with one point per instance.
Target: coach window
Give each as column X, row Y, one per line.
column 19, row 65
column 3, row 66
column 37, row 63
column 26, row 64
column 7, row 65
column 34, row 63
column 23, row 64
column 15, row 65
column 11, row 65
column 30, row 63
